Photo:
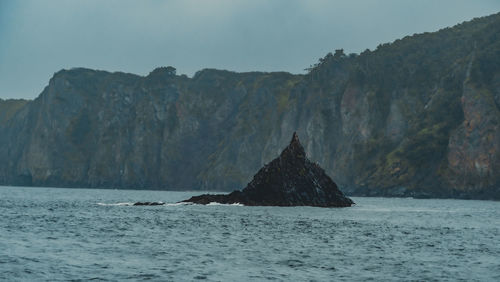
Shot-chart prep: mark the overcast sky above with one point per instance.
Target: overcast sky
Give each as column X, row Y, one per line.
column 38, row 38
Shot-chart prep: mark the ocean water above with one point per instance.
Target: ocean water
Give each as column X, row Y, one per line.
column 51, row 234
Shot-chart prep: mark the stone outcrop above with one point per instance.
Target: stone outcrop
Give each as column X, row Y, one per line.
column 289, row 180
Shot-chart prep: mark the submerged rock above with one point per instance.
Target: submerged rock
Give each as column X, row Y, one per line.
column 289, row 180
column 149, row 204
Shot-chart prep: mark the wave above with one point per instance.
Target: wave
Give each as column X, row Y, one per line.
column 219, row 204
column 176, row 204
column 169, row 204
column 132, row 203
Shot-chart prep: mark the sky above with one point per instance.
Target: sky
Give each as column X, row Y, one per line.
column 41, row 37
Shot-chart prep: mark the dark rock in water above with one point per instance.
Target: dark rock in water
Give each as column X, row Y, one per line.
column 149, row 204
column 289, row 180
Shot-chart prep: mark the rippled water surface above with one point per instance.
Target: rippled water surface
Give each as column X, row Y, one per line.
column 66, row 234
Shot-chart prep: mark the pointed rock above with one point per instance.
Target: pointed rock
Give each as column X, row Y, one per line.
column 289, row 180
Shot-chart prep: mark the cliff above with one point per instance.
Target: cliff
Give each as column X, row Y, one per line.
column 417, row 117
column 9, row 107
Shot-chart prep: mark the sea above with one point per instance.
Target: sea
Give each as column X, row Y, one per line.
column 58, row 234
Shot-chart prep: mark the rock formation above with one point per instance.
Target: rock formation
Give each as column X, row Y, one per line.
column 289, row 180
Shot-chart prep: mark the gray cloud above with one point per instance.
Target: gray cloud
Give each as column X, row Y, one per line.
column 39, row 38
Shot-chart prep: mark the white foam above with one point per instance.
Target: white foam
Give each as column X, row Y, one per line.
column 219, row 204
column 177, row 204
column 170, row 204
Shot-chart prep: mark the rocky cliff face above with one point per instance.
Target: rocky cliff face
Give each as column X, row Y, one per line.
column 417, row 117
column 9, row 107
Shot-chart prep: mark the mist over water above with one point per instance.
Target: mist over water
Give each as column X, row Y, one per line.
column 62, row 234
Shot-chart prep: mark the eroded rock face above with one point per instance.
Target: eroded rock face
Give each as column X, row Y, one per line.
column 289, row 180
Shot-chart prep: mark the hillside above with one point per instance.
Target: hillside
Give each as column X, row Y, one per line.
column 416, row 117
